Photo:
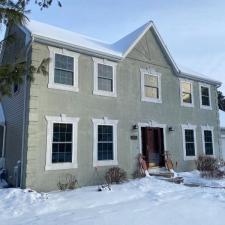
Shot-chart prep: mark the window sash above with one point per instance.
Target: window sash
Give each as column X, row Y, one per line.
column 151, row 87
column 185, row 92
column 105, row 154
column 62, row 155
column 190, row 142
column 208, row 141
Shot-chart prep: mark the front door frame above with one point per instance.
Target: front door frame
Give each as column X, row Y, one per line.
column 152, row 124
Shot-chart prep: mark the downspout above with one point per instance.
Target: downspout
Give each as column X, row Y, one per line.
column 24, row 116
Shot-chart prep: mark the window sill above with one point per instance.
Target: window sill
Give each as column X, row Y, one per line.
column 106, row 163
column 187, row 105
column 61, row 166
column 189, row 158
column 63, row 87
column 153, row 100
column 206, row 107
column 105, row 93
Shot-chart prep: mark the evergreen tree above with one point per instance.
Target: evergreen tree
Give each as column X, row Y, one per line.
column 14, row 13
column 221, row 101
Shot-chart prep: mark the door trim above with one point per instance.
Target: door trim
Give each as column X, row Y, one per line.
column 151, row 124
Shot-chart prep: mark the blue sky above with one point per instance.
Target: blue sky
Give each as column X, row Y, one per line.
column 194, row 31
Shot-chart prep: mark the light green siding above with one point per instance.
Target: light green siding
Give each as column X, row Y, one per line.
column 127, row 108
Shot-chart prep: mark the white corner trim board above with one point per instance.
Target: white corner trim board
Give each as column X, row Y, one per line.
column 200, row 96
column 96, row 91
column 51, row 83
column 189, row 127
column 61, row 119
column 181, row 80
column 104, row 121
column 208, row 128
column 151, row 72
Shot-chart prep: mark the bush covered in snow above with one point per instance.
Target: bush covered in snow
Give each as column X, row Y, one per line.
column 115, row 175
column 209, row 167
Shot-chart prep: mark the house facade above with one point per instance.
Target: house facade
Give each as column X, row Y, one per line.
column 101, row 105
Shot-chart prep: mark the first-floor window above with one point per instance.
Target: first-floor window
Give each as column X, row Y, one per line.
column 105, row 142
column 189, row 142
column 207, row 140
column 61, row 143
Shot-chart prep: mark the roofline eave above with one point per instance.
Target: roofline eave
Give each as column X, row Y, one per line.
column 79, row 49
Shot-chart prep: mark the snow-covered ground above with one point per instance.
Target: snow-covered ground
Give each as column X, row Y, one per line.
column 147, row 200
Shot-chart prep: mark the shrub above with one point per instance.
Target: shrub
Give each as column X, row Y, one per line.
column 68, row 182
column 209, row 167
column 115, row 175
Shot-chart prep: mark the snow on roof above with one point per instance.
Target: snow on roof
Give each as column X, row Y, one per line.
column 190, row 72
column 58, row 34
column 119, row 49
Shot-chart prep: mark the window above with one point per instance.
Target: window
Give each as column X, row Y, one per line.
column 63, row 69
column 104, row 77
column 207, row 139
column 189, row 141
column 61, row 143
column 205, row 100
column 105, row 142
column 151, row 86
column 186, row 92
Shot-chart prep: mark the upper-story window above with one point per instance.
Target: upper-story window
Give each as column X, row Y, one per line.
column 63, row 69
column 186, row 93
column 104, row 77
column 205, row 96
column 150, row 86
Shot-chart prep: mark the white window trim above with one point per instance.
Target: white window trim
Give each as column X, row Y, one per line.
column 189, row 127
column 200, row 96
column 51, row 83
column 104, row 121
column 101, row 92
column 203, row 128
column 153, row 73
column 192, row 93
column 61, row 119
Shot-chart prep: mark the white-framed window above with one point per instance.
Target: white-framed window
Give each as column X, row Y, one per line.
column 105, row 142
column 151, row 86
column 208, row 140
column 186, row 93
column 104, row 77
column 189, row 142
column 205, row 96
column 63, row 69
column 61, row 142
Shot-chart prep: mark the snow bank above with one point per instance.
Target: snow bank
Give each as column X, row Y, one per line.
column 149, row 199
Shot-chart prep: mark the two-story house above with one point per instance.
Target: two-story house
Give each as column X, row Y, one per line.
column 101, row 105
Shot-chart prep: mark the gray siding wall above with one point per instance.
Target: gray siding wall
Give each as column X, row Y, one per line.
column 127, row 107
column 13, row 107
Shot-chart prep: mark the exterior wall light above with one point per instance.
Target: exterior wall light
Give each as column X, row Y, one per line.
column 171, row 129
column 135, row 127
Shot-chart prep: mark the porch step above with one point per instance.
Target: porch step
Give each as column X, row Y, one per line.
column 160, row 171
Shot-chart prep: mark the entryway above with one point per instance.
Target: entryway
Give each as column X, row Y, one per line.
column 153, row 146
